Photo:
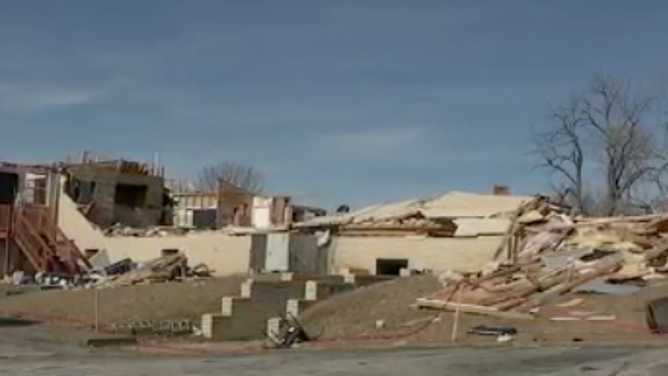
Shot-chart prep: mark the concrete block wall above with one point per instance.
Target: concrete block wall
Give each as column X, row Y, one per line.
column 262, row 299
column 459, row 254
column 226, row 255
column 106, row 212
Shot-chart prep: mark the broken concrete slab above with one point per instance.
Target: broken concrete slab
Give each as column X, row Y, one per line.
column 110, row 341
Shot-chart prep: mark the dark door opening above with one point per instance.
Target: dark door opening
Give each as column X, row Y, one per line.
column 204, row 219
column 390, row 266
column 9, row 186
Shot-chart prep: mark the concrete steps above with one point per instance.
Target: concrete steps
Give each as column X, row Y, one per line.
column 264, row 298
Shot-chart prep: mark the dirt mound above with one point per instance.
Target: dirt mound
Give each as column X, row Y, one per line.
column 354, row 316
column 357, row 312
column 163, row 301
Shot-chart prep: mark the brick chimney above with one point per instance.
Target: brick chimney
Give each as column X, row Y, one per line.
column 500, row 190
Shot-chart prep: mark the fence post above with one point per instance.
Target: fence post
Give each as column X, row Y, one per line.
column 97, row 309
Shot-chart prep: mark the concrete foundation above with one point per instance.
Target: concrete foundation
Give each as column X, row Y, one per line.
column 263, row 299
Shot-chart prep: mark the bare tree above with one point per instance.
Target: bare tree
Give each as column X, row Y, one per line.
column 600, row 147
column 240, row 175
column 655, row 195
column 561, row 150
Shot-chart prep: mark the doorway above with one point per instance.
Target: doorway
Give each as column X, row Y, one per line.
column 390, row 266
column 9, row 186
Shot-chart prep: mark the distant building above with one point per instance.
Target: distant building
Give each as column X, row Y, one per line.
column 230, row 206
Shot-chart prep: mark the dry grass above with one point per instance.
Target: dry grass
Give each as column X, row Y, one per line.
column 123, row 304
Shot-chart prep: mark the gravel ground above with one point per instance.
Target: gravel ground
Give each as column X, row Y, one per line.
column 355, row 313
column 452, row 362
column 39, row 349
column 164, row 301
column 381, row 311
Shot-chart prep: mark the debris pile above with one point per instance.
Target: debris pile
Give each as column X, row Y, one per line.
column 162, row 269
column 121, row 273
column 400, row 226
column 290, row 333
column 399, row 222
column 545, row 255
column 454, row 214
column 158, row 231
column 516, row 291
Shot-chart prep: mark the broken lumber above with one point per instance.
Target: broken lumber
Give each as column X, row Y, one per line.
column 601, row 267
column 507, row 243
column 470, row 308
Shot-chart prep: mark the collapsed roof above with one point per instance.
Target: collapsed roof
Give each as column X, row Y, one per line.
column 474, row 214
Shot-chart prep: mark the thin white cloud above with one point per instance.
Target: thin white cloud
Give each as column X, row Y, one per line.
column 27, row 99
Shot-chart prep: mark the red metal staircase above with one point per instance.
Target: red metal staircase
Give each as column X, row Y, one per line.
column 44, row 244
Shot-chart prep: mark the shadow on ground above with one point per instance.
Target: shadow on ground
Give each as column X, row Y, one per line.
column 12, row 322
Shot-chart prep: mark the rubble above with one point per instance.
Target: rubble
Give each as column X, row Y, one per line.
column 157, row 231
column 393, row 225
column 162, row 269
column 118, row 230
column 546, row 255
column 291, row 332
column 449, row 215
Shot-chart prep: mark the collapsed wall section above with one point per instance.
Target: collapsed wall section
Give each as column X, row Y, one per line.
column 224, row 254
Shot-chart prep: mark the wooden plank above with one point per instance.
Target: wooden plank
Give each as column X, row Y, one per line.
column 514, row 227
column 470, row 308
column 546, row 281
column 510, row 303
column 602, row 267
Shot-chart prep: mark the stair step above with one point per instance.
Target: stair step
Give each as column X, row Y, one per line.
column 45, row 245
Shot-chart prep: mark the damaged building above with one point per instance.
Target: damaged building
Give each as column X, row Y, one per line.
column 30, row 237
column 453, row 231
column 230, row 206
column 118, row 191
column 55, row 218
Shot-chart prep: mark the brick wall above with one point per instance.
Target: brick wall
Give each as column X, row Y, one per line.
column 106, row 212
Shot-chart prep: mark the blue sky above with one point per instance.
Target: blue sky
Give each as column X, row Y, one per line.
column 335, row 101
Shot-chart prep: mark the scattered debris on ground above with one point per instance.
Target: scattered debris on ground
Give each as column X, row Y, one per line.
column 556, row 256
column 155, row 231
column 160, row 270
column 291, row 333
column 555, row 278
column 125, row 272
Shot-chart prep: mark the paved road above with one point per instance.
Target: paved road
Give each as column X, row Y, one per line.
column 31, row 350
column 441, row 362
